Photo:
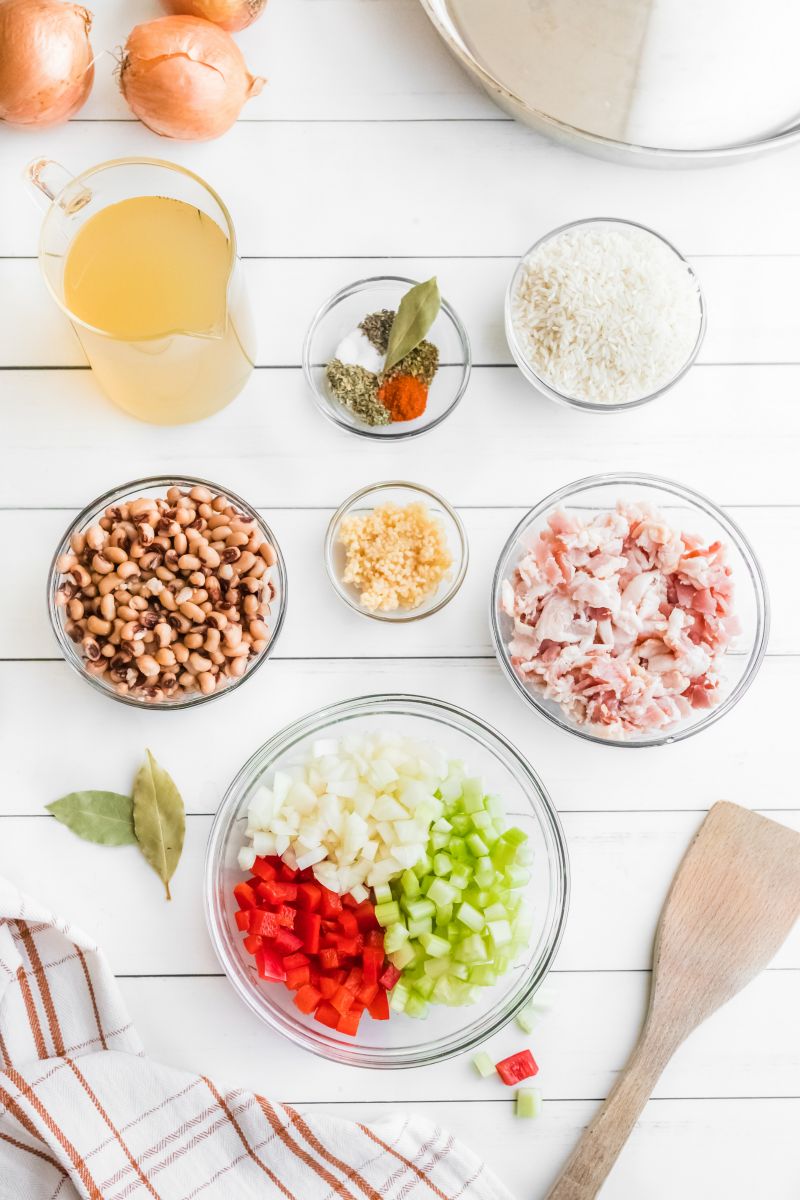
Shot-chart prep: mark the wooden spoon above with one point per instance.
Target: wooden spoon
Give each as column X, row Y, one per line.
column 732, row 904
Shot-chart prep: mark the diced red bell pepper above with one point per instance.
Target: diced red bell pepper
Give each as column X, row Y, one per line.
column 328, row 959
column 307, row 998
column 307, row 926
column 330, row 903
column 308, row 896
column 286, row 916
column 379, row 1008
column 354, row 979
column 265, row 869
column 375, row 938
column 263, row 924
column 348, row 1022
column 343, row 999
column 346, row 945
column 367, row 993
column 372, row 959
column 278, row 892
column 349, row 901
column 348, row 923
column 517, row 1067
column 252, row 943
column 242, row 919
column 270, row 965
column 289, row 874
column 290, row 961
column 298, row 977
column 365, row 916
column 326, row 1014
column 329, row 987
column 245, row 896
column 287, row 942
column 389, row 977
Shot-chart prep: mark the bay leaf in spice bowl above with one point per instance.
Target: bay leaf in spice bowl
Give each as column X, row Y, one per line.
column 416, row 313
column 159, row 819
column 105, row 818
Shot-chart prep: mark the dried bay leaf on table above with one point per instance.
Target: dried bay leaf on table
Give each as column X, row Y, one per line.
column 105, row 818
column 159, row 819
column 416, row 313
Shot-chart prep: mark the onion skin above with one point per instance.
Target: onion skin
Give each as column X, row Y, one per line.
column 231, row 15
column 46, row 68
column 185, row 78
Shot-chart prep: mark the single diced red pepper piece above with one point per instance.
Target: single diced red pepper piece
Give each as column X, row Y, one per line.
column 349, row 901
column 263, row 896
column 354, row 979
column 278, row 891
column 379, row 1008
column 326, row 1014
column 372, row 960
column 330, row 903
column 307, row 926
column 367, row 993
column 348, row 923
column 245, row 896
column 365, row 916
column 517, row 1067
column 290, row 961
column 343, row 999
column 308, row 896
column 298, row 977
column 307, row 999
column 287, row 942
column 346, row 945
column 329, row 987
column 242, row 919
column 375, row 938
column 265, row 869
column 339, row 975
column 252, row 943
column 288, row 873
column 328, row 959
column 270, row 965
column 286, row 916
column 263, row 924
column 389, row 977
column 348, row 1022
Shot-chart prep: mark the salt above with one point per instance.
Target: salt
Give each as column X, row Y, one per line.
column 356, row 350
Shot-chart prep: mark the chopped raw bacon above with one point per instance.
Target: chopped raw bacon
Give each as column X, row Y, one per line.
column 621, row 619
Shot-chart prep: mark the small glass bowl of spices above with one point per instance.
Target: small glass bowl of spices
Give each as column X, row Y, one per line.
column 396, row 551
column 167, row 592
column 387, row 357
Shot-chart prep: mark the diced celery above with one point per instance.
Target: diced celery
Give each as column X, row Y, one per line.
column 527, row 1018
column 383, row 893
column 459, row 971
column 435, row 946
column 444, row 915
column 484, row 872
column 472, row 792
column 424, row 866
column 441, row 893
column 423, row 907
column 481, row 820
column 461, row 824
column 437, row 842
column 470, row 917
column 483, row 1064
column 396, row 936
column 471, row 950
column 434, row 967
column 500, row 932
column 424, row 986
column 399, row 997
column 529, row 1103
column 478, row 846
column 416, row 1006
column 516, row 877
column 403, row 957
column 503, row 854
column 409, row 884
column 458, row 851
column 442, row 864
column 416, row 928
column 515, row 836
column 388, row 913
column 459, row 878
column 495, row 806
column 483, row 975
column 442, row 826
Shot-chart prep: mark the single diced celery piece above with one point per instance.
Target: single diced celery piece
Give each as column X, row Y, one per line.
column 442, row 864
column 481, row 820
column 483, row 975
column 442, row 826
column 461, row 824
column 459, row 971
column 388, row 913
column 434, row 967
column 416, row 1006
column 495, row 806
column 496, row 912
column 450, row 789
column 403, row 957
column 472, row 793
column 438, row 841
column 516, row 877
column 421, row 925
column 470, row 917
column 383, row 894
column 409, row 884
column 417, row 909
column 503, row 854
column 424, row 986
column 444, row 915
column 499, row 932
column 528, row 1103
column 483, row 1064
column 399, row 997
column 478, row 846
column 459, row 878
column 424, row 866
column 458, row 850
column 471, row 950
column 527, row 1018
column 440, row 892
column 515, row 836
column 435, row 946
column 396, row 936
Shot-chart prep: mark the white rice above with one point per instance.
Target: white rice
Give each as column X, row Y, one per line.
column 605, row 314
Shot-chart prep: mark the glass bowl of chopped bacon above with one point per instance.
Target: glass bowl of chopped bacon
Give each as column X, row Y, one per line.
column 629, row 610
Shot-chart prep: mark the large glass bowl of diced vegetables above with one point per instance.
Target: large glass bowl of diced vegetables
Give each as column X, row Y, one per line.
column 387, row 881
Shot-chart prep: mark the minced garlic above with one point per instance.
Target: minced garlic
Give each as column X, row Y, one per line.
column 396, row 556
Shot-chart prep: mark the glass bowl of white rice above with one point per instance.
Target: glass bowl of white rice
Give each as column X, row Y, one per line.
column 604, row 315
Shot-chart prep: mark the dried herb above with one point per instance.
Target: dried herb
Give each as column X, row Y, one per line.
column 377, row 326
column 357, row 389
column 417, row 312
column 422, row 362
column 105, row 818
column 159, row 819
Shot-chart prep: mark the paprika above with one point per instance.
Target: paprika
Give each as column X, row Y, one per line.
column 403, row 396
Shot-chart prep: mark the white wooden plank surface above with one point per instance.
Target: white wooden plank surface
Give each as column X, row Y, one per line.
column 356, row 88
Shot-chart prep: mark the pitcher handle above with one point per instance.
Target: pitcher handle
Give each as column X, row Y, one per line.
column 50, row 183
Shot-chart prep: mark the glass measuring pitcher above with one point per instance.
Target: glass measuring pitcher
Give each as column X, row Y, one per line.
column 141, row 256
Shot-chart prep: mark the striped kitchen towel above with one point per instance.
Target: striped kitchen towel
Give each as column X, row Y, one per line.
column 84, row 1112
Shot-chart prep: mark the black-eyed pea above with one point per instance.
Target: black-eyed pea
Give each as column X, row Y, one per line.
column 209, row 556
column 217, row 619
column 174, row 494
column 226, row 572
column 267, row 552
column 169, row 682
column 196, row 579
column 198, row 663
column 164, row 574
column 217, row 658
column 259, row 569
column 259, row 644
column 127, row 570
column 212, row 639
column 237, row 538
column 108, row 651
column 137, row 551
column 201, row 494
column 165, row 657
column 95, row 537
column 258, row 630
column 193, row 640
column 164, row 633
column 133, row 631
column 232, row 635
column 181, row 653
column 142, row 506
column 240, row 651
column 185, row 514
column 139, row 603
column 107, row 586
column 108, row 608
column 168, row 601
column 236, row 667
column 250, row 606
column 187, row 681
column 98, row 667
column 126, row 612
column 208, row 682
column 180, row 543
column 75, row 609
column 148, row 665
column 193, row 612
column 91, row 648
column 101, row 565
column 78, row 542
column 182, row 595
column 145, row 535
column 115, row 554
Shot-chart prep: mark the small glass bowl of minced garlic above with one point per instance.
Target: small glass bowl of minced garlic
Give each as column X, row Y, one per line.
column 344, row 354
column 396, row 551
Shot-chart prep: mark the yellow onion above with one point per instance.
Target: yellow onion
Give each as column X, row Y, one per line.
column 185, row 78
column 228, row 14
column 46, row 69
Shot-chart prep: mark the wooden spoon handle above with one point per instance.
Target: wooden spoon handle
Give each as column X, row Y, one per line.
column 598, row 1149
